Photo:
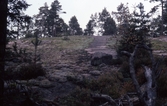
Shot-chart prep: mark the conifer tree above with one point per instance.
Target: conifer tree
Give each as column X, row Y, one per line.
column 18, row 22
column 89, row 28
column 36, row 42
column 53, row 17
column 136, row 29
column 41, row 20
column 74, row 26
column 106, row 24
column 48, row 21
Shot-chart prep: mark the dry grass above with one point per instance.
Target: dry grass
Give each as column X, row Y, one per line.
column 158, row 44
column 75, row 42
column 53, row 49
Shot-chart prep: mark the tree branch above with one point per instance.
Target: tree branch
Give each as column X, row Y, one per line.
column 150, row 87
column 106, row 97
column 149, row 95
column 129, row 101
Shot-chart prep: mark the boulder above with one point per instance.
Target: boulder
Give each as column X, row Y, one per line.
column 95, row 73
column 100, row 58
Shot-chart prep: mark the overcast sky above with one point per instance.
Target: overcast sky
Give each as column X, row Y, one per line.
column 83, row 9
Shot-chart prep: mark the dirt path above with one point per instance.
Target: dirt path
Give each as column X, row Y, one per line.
column 99, row 45
column 99, row 41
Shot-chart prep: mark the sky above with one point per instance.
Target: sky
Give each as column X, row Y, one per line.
column 83, row 9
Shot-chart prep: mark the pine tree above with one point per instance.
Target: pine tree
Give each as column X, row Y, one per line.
column 17, row 20
column 102, row 19
column 36, row 42
column 122, row 16
column 89, row 28
column 48, row 22
column 53, row 17
column 106, row 24
column 41, row 20
column 109, row 26
column 136, row 30
column 74, row 26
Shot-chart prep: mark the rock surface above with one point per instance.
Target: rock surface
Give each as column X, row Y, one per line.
column 74, row 65
column 99, row 58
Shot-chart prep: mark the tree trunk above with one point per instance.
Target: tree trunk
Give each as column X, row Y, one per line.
column 3, row 26
column 147, row 96
column 162, row 21
column 53, row 31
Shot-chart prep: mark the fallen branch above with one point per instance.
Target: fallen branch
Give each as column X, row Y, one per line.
column 124, row 100
column 150, row 87
column 106, row 97
column 129, row 101
column 105, row 104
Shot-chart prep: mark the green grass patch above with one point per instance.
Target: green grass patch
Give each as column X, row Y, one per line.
column 74, row 42
column 158, row 44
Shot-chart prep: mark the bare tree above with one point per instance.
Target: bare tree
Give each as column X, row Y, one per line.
column 148, row 96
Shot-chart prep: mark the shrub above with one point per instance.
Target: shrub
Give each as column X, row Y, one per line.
column 31, row 71
column 111, row 84
column 18, row 94
column 128, row 86
column 125, row 69
column 65, row 38
column 108, row 83
column 140, row 76
column 117, row 61
column 162, row 85
column 80, row 97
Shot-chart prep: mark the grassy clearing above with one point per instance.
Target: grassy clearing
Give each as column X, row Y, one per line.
column 53, row 49
column 158, row 44
column 74, row 42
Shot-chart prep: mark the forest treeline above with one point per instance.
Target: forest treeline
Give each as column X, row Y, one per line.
column 48, row 23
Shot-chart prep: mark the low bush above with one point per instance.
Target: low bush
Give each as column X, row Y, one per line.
column 109, row 83
column 125, row 69
column 162, row 84
column 141, row 75
column 31, row 71
column 80, row 97
column 117, row 61
column 65, row 38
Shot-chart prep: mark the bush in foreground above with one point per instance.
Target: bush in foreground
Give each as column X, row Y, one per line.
column 31, row 71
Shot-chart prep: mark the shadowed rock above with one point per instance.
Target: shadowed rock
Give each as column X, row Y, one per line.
column 100, row 58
